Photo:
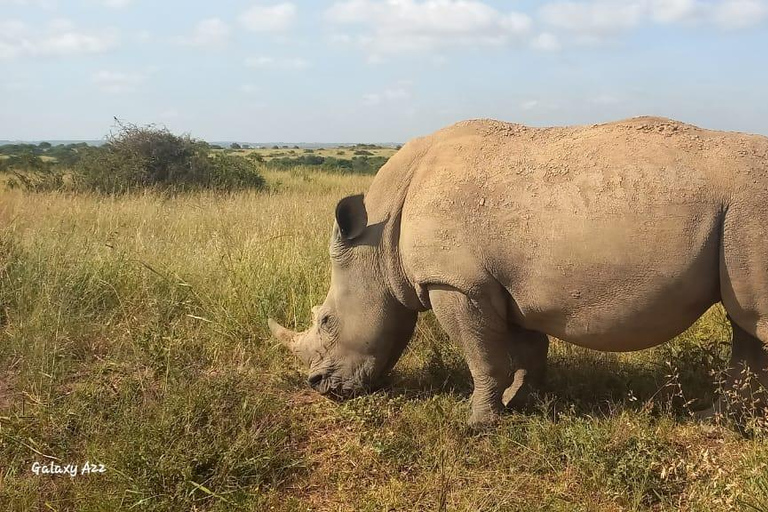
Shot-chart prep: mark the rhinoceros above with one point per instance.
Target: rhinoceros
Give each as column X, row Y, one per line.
column 615, row 237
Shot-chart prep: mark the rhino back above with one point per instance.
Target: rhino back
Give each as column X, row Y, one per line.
column 607, row 235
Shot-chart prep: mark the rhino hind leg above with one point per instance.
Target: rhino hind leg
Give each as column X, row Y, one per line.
column 744, row 392
column 480, row 328
column 744, row 293
column 528, row 354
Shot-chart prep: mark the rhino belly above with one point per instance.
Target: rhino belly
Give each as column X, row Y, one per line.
column 642, row 324
column 626, row 290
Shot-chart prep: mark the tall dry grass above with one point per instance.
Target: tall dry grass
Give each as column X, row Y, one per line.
column 133, row 334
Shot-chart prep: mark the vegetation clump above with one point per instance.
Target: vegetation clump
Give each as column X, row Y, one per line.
column 149, row 157
column 137, row 158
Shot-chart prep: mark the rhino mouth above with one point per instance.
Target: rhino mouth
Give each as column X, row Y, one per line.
column 330, row 384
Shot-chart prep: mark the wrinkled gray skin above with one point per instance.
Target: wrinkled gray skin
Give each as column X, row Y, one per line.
column 614, row 237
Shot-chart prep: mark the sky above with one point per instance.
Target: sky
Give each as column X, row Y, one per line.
column 375, row 70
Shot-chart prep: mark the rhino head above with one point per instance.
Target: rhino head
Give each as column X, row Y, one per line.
column 360, row 331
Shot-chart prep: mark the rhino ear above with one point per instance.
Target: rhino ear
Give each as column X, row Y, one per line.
column 351, row 217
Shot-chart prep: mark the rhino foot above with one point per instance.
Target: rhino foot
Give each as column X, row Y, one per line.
column 483, row 418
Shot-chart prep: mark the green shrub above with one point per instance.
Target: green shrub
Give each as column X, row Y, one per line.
column 149, row 157
column 134, row 158
column 66, row 156
column 38, row 181
column 234, row 173
column 28, row 161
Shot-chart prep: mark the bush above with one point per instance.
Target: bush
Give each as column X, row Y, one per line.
column 148, row 157
column 234, row 173
column 67, row 155
column 38, row 181
column 28, row 161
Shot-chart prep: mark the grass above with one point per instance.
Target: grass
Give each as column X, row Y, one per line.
column 133, row 334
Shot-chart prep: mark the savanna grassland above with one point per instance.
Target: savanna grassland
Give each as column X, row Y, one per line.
column 133, row 334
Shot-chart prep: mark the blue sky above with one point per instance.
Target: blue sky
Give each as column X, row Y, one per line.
column 375, row 70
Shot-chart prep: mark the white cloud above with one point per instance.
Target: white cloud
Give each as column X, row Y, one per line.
column 341, row 38
column 169, row 114
column 671, row 11
column 399, row 26
column 45, row 4
column 59, row 38
column 249, row 89
column 737, row 14
column 399, row 92
column 13, row 29
column 539, row 105
column 61, row 25
column 208, row 32
column 264, row 62
column 116, row 4
column 115, row 82
column 605, row 99
column 142, row 37
column 269, row 18
column 546, row 42
column 598, row 18
column 16, row 86
column 73, row 43
column 594, row 20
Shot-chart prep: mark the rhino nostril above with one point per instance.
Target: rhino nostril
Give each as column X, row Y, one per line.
column 315, row 379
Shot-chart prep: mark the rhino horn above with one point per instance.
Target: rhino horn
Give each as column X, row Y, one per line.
column 289, row 338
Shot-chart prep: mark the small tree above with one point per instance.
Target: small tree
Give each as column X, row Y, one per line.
column 235, row 145
column 140, row 157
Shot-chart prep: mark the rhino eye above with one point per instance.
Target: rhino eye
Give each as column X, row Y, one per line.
column 328, row 324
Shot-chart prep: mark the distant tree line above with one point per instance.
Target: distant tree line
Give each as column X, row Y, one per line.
column 133, row 158
column 35, row 156
column 140, row 157
column 355, row 165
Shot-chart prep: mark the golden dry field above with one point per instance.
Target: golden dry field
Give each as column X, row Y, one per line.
column 133, row 334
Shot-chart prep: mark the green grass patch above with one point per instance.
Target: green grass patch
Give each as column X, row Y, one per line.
column 134, row 335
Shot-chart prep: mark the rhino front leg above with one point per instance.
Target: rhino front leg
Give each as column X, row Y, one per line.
column 482, row 332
